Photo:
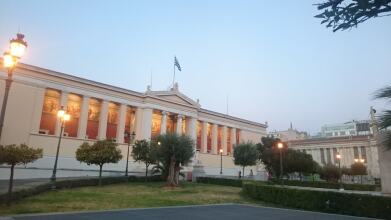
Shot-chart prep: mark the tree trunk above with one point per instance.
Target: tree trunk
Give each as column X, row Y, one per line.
column 171, row 173
column 146, row 171
column 10, row 185
column 100, row 174
column 176, row 175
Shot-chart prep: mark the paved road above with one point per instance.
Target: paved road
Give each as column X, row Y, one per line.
column 212, row 212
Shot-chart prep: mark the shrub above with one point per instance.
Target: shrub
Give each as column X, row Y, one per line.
column 324, row 201
column 327, row 185
column 73, row 183
column 220, row 181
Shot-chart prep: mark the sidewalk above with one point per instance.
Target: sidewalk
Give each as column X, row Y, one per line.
column 372, row 193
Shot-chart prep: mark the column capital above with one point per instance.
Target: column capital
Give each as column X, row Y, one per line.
column 164, row 113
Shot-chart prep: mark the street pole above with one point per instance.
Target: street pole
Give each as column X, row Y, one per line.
column 340, row 175
column 281, row 169
column 221, row 163
column 8, row 83
column 53, row 178
column 127, row 157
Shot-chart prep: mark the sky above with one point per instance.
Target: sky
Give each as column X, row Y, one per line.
column 272, row 60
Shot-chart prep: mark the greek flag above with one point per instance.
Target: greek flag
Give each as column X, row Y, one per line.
column 176, row 63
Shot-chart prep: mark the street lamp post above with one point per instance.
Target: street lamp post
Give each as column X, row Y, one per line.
column 130, row 139
column 280, row 146
column 221, row 161
column 63, row 116
column 10, row 59
column 338, row 156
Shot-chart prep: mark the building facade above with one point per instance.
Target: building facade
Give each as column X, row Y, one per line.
column 101, row 111
column 289, row 135
column 351, row 128
column 324, row 151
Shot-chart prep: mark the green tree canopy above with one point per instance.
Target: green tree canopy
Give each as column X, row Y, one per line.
column 146, row 152
column 99, row 153
column 245, row 154
column 17, row 154
column 174, row 151
column 385, row 118
column 330, row 172
column 345, row 14
column 358, row 169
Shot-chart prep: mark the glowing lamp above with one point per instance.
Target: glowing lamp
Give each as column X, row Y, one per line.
column 8, row 60
column 356, row 160
column 338, row 156
column 66, row 117
column 18, row 46
column 362, row 160
column 61, row 113
column 221, row 151
column 280, row 145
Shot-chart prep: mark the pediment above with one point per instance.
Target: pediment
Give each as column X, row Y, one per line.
column 174, row 96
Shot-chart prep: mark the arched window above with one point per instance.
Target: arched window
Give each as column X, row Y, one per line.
column 51, row 105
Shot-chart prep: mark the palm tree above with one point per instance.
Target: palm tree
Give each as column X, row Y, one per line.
column 385, row 118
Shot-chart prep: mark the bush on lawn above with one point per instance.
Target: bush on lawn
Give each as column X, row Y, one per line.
column 323, row 201
column 73, row 183
column 220, row 181
column 328, row 185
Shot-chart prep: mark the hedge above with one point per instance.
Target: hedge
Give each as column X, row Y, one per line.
column 220, row 181
column 323, row 201
column 328, row 185
column 72, row 183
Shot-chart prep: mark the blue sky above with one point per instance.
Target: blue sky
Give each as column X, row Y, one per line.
column 273, row 59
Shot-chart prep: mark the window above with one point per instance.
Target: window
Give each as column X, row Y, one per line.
column 129, row 122
column 342, row 133
column 335, row 152
column 184, row 126
column 170, row 124
column 237, row 136
column 356, row 153
column 219, row 138
column 51, row 105
column 209, row 137
column 74, row 109
column 229, row 144
column 199, row 133
column 94, row 109
column 156, row 123
column 112, row 121
column 364, row 153
column 328, row 155
column 322, row 159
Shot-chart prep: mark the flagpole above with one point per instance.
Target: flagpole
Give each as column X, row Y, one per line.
column 173, row 79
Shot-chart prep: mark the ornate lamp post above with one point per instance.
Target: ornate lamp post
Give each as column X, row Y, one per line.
column 130, row 139
column 280, row 146
column 10, row 59
column 338, row 156
column 221, row 161
column 63, row 116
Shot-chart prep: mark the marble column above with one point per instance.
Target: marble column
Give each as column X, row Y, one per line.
column 179, row 125
column 37, row 113
column 104, row 109
column 224, row 140
column 121, row 123
column 191, row 129
column 63, row 103
column 214, row 138
column 163, row 125
column 233, row 138
column 204, row 137
column 83, row 120
column 146, row 130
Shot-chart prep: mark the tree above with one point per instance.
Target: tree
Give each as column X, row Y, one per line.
column 17, row 154
column 330, row 172
column 345, row 14
column 245, row 154
column 145, row 151
column 269, row 154
column 358, row 169
column 99, row 153
column 174, row 151
column 385, row 118
column 300, row 162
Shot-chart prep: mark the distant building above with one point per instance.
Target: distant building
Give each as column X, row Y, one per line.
column 289, row 135
column 324, row 150
column 351, row 128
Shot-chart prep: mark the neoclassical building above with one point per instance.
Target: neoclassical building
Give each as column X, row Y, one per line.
column 324, row 151
column 101, row 111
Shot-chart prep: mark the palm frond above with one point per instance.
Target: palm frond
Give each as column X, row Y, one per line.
column 385, row 119
column 387, row 140
column 384, row 93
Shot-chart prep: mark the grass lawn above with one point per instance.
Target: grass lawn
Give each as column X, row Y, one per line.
column 126, row 195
